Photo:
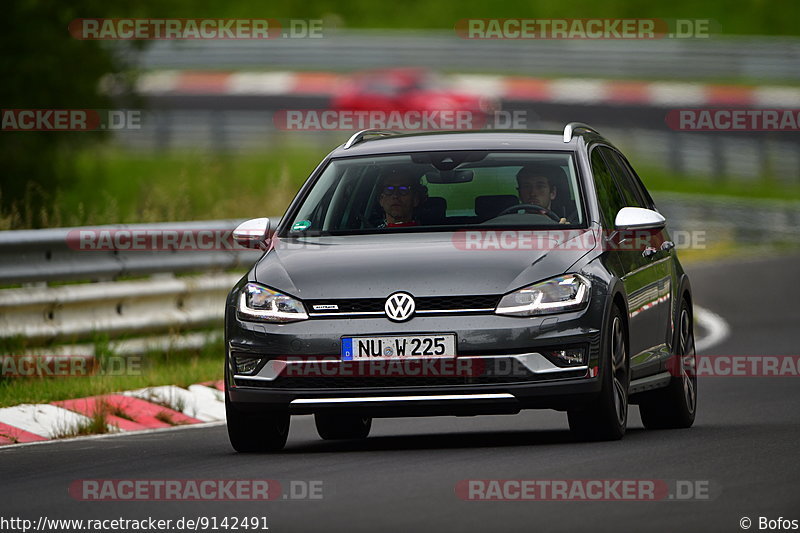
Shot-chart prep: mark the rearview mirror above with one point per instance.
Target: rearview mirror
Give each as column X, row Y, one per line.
column 450, row 176
column 632, row 218
column 252, row 233
column 447, row 160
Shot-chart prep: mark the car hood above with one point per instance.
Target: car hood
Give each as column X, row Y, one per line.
column 422, row 264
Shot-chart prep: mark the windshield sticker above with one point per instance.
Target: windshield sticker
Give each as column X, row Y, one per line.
column 301, row 225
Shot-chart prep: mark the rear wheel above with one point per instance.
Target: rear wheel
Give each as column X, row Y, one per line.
column 675, row 406
column 607, row 417
column 252, row 433
column 338, row 426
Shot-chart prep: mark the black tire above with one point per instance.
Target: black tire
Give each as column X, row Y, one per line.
column 256, row 433
column 607, row 416
column 339, row 427
column 675, row 406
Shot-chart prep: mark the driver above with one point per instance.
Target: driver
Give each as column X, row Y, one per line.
column 399, row 194
column 536, row 184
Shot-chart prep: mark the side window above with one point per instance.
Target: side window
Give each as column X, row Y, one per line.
column 637, row 183
column 608, row 196
column 623, row 179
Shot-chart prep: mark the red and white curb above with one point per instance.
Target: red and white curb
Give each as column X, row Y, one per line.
column 169, row 406
column 138, row 410
column 713, row 327
column 520, row 88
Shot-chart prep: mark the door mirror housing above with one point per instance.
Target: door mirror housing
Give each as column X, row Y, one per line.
column 252, row 233
column 633, row 218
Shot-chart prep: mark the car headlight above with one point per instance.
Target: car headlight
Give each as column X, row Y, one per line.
column 263, row 304
column 569, row 292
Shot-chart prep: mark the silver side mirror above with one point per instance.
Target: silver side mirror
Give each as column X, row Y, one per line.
column 252, row 233
column 632, row 218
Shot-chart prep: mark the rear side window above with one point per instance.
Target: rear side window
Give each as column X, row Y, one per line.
column 608, row 195
column 623, row 179
column 636, row 182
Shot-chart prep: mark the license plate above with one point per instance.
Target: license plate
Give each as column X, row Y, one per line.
column 407, row 346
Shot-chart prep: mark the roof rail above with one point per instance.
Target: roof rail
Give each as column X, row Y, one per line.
column 359, row 136
column 572, row 126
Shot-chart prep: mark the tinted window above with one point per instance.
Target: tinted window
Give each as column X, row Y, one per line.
column 442, row 191
column 637, row 183
column 608, row 195
column 622, row 177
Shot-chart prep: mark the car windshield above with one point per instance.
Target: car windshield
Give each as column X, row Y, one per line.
column 441, row 191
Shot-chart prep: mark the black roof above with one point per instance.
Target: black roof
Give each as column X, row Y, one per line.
column 464, row 140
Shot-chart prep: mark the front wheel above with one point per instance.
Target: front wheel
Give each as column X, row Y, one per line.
column 254, row 433
column 675, row 406
column 339, row 427
column 607, row 417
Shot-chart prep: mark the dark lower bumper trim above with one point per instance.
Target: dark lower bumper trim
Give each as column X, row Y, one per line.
column 444, row 400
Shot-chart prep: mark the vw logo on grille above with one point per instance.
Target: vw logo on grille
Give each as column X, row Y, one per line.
column 399, row 306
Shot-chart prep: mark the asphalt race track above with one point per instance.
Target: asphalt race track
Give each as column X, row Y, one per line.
column 744, row 445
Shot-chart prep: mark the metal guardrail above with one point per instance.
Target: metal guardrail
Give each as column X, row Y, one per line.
column 763, row 58
column 57, row 254
column 114, row 308
column 43, row 314
column 736, row 220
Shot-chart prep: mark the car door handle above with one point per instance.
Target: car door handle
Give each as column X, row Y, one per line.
column 667, row 245
column 649, row 252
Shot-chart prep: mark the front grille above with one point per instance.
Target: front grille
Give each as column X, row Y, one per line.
column 424, row 303
column 438, row 303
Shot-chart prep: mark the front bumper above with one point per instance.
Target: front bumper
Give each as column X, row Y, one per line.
column 500, row 366
column 421, row 401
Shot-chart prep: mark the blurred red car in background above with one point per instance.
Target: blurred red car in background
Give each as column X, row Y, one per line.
column 406, row 89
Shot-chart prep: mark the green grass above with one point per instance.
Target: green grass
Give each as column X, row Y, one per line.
column 183, row 186
column 96, row 424
column 113, row 186
column 157, row 368
column 166, row 417
column 764, row 188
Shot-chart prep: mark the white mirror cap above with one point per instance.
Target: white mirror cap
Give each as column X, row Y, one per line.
column 638, row 218
column 251, row 233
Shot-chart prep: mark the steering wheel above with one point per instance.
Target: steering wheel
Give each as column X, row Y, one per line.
column 531, row 208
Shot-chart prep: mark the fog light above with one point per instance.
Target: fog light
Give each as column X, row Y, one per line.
column 246, row 365
column 567, row 356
